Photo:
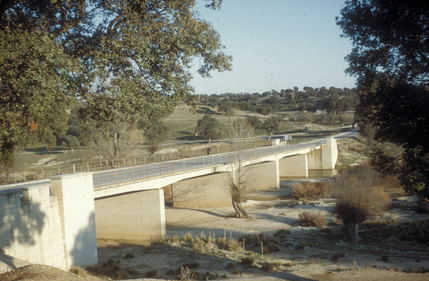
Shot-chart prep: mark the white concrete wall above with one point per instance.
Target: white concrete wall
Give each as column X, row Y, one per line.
column 324, row 158
column 76, row 207
column 137, row 216
column 31, row 230
column 213, row 190
column 294, row 166
column 205, row 191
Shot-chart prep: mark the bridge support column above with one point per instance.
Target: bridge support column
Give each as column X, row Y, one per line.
column 324, row 158
column 277, row 176
column 136, row 216
column 75, row 195
column 294, row 166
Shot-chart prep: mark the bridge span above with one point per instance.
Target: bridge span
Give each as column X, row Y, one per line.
column 128, row 204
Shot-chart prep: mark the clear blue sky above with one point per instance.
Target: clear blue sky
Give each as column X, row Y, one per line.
column 277, row 44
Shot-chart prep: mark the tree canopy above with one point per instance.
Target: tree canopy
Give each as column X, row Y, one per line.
column 126, row 56
column 390, row 59
column 208, row 127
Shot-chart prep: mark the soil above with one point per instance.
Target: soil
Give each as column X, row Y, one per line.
column 307, row 253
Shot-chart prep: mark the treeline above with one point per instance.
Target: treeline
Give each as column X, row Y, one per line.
column 333, row 100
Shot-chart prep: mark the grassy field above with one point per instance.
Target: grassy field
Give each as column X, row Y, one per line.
column 182, row 142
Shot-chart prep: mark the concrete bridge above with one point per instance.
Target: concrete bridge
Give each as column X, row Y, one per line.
column 128, row 204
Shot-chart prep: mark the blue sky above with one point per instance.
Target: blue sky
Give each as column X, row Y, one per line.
column 277, row 44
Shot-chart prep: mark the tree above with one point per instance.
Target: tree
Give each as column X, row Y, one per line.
column 264, row 110
column 390, row 59
column 128, row 56
column 238, row 181
column 155, row 133
column 73, row 134
column 254, row 121
column 208, row 127
column 360, row 195
column 272, row 125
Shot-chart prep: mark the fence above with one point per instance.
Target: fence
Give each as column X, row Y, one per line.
column 118, row 176
column 17, row 176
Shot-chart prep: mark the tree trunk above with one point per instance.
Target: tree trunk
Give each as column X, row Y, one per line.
column 239, row 211
column 352, row 232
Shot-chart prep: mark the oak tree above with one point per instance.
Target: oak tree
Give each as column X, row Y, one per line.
column 127, row 57
column 390, row 59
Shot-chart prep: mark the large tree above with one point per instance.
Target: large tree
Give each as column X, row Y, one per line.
column 208, row 127
column 390, row 59
column 125, row 56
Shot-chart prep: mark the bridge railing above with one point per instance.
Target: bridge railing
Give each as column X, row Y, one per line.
column 142, row 172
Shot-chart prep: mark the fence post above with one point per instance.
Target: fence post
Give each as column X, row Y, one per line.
column 160, row 167
column 74, row 169
column 172, row 167
column 147, row 173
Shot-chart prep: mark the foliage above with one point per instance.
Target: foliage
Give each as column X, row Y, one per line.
column 272, row 125
column 390, row 58
column 360, row 194
column 254, row 121
column 130, row 57
column 156, row 132
column 264, row 110
column 208, row 127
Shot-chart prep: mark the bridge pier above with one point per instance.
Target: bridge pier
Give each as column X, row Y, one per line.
column 324, row 158
column 135, row 216
column 294, row 166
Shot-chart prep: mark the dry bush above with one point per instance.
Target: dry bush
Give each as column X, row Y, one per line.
column 79, row 271
column 307, row 189
column 310, row 219
column 360, row 194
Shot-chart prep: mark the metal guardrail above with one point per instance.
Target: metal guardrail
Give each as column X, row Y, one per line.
column 142, row 172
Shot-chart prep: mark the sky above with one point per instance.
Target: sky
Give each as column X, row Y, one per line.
column 277, row 44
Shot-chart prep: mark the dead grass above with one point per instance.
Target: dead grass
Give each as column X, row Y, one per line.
column 79, row 271
column 312, row 219
column 307, row 189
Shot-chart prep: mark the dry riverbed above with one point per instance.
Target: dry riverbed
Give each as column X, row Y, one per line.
column 305, row 253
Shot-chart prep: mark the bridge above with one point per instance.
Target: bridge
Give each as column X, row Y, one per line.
column 71, row 211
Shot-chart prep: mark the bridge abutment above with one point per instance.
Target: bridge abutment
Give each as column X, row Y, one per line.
column 135, row 216
column 75, row 195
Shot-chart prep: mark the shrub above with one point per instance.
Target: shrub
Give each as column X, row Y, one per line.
column 282, row 233
column 79, row 271
column 312, row 219
column 307, row 189
column 187, row 237
column 248, row 261
column 359, row 195
column 130, row 256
